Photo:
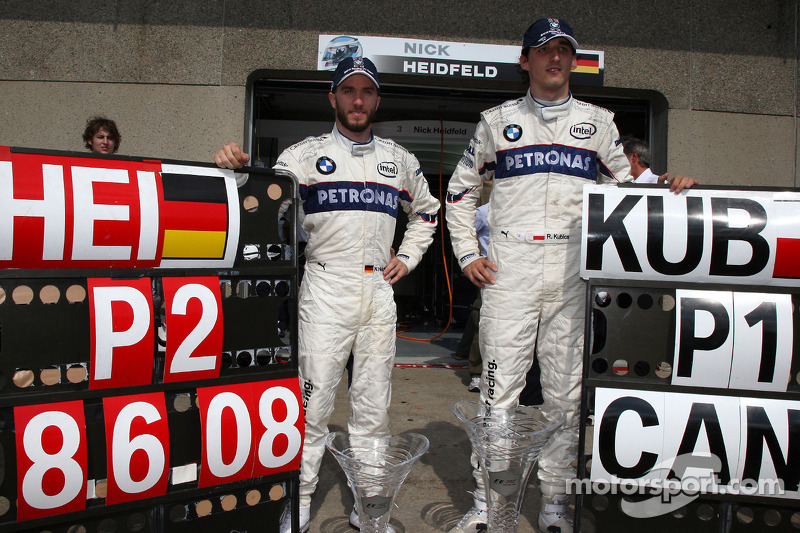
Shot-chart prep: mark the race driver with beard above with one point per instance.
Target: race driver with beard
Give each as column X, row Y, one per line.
column 352, row 185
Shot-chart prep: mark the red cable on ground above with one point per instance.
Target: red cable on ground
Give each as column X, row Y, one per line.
column 442, row 199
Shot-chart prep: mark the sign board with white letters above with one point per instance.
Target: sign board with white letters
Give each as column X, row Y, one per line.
column 445, row 59
column 148, row 376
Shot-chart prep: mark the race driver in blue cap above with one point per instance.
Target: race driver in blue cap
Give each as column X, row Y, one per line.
column 539, row 150
column 352, row 185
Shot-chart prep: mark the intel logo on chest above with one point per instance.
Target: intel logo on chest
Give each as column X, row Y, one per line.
column 584, row 130
column 388, row 169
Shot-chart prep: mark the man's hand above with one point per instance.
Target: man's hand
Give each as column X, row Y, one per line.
column 678, row 183
column 395, row 270
column 480, row 271
column 231, row 156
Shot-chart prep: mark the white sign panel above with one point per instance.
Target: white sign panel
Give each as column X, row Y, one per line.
column 714, row 236
column 769, row 449
column 622, row 417
column 703, row 331
column 733, row 340
column 764, row 340
column 702, row 444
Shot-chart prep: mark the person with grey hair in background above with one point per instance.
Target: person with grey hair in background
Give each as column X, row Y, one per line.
column 638, row 153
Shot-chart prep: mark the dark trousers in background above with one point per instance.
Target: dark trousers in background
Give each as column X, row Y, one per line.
column 470, row 347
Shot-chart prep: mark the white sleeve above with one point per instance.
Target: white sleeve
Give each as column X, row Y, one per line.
column 464, row 190
column 422, row 209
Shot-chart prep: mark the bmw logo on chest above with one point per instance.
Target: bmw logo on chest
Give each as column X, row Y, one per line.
column 512, row 132
column 325, row 165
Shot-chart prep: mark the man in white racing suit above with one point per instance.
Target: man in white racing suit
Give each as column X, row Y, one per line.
column 539, row 150
column 352, row 186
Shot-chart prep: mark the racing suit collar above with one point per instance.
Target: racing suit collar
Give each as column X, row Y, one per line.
column 548, row 111
column 357, row 149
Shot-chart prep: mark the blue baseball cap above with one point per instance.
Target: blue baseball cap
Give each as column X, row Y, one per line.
column 354, row 65
column 544, row 30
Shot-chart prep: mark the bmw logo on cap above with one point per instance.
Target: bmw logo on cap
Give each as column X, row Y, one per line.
column 512, row 132
column 325, row 165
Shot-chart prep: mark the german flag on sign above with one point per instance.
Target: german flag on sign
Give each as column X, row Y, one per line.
column 588, row 63
column 590, row 68
column 194, row 217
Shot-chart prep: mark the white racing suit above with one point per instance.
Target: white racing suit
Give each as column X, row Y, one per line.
column 539, row 159
column 351, row 193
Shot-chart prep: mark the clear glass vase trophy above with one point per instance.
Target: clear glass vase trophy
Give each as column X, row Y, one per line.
column 508, row 443
column 375, row 468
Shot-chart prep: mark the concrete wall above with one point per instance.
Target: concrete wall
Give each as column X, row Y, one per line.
column 173, row 73
column 163, row 121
